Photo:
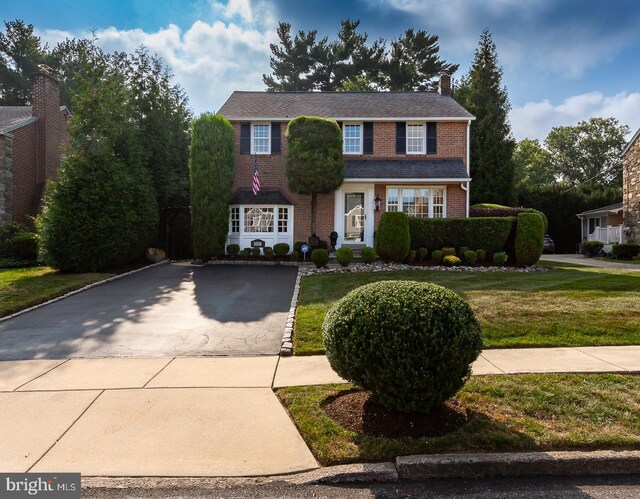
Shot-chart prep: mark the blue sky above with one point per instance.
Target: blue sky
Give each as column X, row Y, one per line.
column 563, row 60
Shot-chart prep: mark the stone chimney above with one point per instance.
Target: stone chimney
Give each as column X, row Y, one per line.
column 45, row 105
column 444, row 85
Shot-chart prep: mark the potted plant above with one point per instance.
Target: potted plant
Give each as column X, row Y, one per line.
column 333, row 237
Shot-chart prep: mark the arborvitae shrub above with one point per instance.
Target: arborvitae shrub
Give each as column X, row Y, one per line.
column 529, row 239
column 392, row 239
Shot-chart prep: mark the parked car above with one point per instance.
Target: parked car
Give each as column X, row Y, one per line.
column 549, row 246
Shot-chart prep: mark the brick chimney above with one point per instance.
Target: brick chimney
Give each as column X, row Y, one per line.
column 444, row 85
column 46, row 107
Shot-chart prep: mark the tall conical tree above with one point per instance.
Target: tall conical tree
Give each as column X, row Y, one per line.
column 481, row 92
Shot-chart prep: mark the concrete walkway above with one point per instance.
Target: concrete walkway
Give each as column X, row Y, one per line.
column 589, row 262
column 195, row 416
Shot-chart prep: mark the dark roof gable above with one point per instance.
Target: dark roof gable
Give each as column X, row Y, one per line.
column 283, row 106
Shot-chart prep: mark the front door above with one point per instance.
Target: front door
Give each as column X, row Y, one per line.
column 354, row 217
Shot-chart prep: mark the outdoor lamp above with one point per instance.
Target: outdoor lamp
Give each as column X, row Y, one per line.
column 377, row 202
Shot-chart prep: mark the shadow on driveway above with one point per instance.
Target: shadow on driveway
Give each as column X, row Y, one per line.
column 169, row 310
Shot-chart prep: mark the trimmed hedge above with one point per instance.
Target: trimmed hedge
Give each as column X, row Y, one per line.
column 320, row 257
column 410, row 343
column 492, row 234
column 451, row 261
column 295, row 256
column 368, row 254
column 233, row 249
column 625, row 251
column 529, row 239
column 436, row 256
column 592, row 248
column 496, row 210
column 268, row 252
column 281, row 249
column 423, row 254
column 393, row 237
column 500, row 258
column 344, row 255
column 24, row 245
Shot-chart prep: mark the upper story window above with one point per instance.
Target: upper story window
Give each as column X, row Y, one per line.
column 260, row 138
column 416, row 137
column 352, row 138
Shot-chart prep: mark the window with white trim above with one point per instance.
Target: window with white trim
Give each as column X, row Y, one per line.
column 283, row 220
column 424, row 202
column 258, row 219
column 352, row 138
column 234, row 220
column 260, row 138
column 416, row 138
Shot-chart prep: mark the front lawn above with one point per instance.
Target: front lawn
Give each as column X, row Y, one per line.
column 505, row 413
column 571, row 305
column 24, row 287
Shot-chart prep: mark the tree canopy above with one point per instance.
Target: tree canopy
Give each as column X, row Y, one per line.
column 588, row 153
column 314, row 161
column 304, row 62
column 481, row 92
column 533, row 166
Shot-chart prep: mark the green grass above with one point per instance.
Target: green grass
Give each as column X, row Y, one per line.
column 24, row 287
column 507, row 413
column 571, row 305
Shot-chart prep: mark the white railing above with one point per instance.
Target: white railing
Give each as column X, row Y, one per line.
column 608, row 235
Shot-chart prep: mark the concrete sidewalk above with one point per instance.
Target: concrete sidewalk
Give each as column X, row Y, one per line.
column 195, row 416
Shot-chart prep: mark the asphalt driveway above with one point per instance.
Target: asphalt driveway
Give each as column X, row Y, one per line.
column 168, row 310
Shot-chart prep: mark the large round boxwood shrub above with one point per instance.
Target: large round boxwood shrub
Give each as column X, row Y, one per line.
column 410, row 343
column 320, row 257
column 392, row 240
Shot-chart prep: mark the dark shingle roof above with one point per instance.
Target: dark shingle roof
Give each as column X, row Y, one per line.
column 263, row 197
column 340, row 105
column 426, row 169
column 14, row 115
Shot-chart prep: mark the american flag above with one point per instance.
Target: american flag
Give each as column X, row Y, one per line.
column 255, row 187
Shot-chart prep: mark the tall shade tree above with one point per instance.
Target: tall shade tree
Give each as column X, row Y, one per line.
column 482, row 93
column 533, row 164
column 102, row 211
column 414, row 61
column 20, row 53
column 588, row 153
column 351, row 62
column 211, row 162
column 314, row 161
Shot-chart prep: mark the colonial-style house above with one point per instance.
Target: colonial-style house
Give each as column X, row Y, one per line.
column 404, row 151
column 30, row 140
column 631, row 188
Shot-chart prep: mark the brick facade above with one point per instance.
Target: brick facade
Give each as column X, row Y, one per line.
column 30, row 154
column 631, row 190
column 451, row 143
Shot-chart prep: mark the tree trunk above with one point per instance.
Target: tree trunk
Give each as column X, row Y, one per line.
column 314, row 207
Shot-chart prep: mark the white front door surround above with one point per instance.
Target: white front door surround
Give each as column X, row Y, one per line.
column 351, row 220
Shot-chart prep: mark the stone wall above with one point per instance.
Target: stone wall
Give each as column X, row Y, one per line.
column 631, row 191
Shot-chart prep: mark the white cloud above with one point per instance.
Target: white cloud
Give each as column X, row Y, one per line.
column 535, row 120
column 208, row 60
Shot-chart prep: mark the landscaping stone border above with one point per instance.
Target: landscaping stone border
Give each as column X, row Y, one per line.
column 84, row 288
column 334, row 268
column 286, row 347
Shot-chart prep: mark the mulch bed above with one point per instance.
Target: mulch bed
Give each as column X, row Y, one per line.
column 356, row 411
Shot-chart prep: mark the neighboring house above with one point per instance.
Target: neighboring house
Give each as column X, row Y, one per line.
column 30, row 140
column 631, row 188
column 404, row 151
column 602, row 224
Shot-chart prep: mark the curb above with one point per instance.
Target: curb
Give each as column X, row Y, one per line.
column 80, row 290
column 407, row 468
column 515, row 464
column 249, row 262
column 286, row 347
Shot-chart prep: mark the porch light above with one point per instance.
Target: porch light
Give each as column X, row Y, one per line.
column 377, row 202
